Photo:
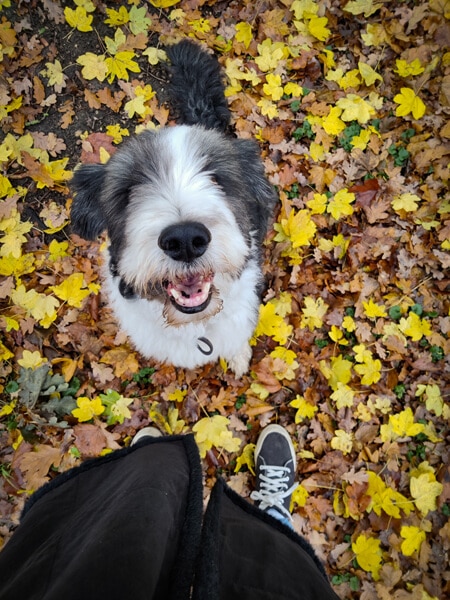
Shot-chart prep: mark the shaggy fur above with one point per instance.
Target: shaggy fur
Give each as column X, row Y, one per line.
column 186, row 210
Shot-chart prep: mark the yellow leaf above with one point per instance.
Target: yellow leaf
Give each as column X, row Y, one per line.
column 400, row 425
column 406, row 69
column 368, row 73
column 57, row 250
column 385, row 498
column 370, row 371
column 268, row 108
column 273, row 87
column 414, row 327
column 298, row 228
column 375, row 35
column 163, row 3
column 6, row 409
column 425, row 490
column 332, row 123
column 318, row 204
column 78, row 18
column 177, row 396
column 434, row 401
column 407, row 202
column 119, row 65
column 408, row 102
column 5, row 353
column 317, row 28
column 366, row 7
column 39, row 306
column 348, row 323
column 293, row 89
column 244, row 33
column 299, row 497
column 337, row 335
column 272, row 324
column 94, row 67
column 305, row 410
column 31, row 360
column 313, row 313
column 374, row 310
column 213, row 431
column 303, row 8
column 355, row 108
column 88, row 409
column 72, row 290
column 154, row 55
column 55, row 74
column 338, row 372
column 247, row 459
column 413, row 538
column 368, row 554
column 340, row 204
column 343, row 396
column 116, row 18
column 342, row 441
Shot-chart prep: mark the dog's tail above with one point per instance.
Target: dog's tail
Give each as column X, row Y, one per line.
column 196, row 88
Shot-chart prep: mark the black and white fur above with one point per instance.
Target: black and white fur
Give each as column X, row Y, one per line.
column 186, row 210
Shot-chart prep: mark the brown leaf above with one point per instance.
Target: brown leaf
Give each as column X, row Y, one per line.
column 36, row 464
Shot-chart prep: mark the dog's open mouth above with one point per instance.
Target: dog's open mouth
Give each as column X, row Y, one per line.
column 190, row 295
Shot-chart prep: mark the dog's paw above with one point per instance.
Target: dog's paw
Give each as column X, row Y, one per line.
column 240, row 362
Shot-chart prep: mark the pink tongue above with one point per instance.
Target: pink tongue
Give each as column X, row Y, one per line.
column 191, row 292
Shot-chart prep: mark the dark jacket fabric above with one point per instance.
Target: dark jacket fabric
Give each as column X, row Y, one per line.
column 129, row 526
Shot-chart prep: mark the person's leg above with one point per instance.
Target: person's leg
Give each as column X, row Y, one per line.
column 248, row 553
column 123, row 526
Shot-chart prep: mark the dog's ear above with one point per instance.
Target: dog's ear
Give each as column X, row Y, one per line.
column 88, row 220
column 261, row 191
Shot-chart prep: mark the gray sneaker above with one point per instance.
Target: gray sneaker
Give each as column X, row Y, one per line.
column 275, row 466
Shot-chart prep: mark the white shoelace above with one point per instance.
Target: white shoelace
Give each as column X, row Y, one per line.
column 273, row 488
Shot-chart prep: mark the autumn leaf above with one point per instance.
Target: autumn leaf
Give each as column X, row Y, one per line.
column 246, row 459
column 78, row 18
column 412, row 539
column 87, row 409
column 94, row 67
column 213, row 431
column 342, row 440
column 368, row 554
column 313, row 313
column 31, row 360
column 408, row 102
column 305, row 410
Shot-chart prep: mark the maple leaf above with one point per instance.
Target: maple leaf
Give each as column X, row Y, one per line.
column 343, row 396
column 412, row 539
column 434, row 401
column 424, row 490
column 366, row 7
column 116, row 18
column 13, row 236
column 5, row 353
column 370, row 370
column 39, row 306
column 116, row 407
column 305, row 410
column 298, row 228
column 355, row 108
column 94, row 67
column 414, row 327
column 31, row 360
column 273, row 87
column 342, row 440
column 272, row 324
column 246, row 459
column 406, row 202
column 213, row 431
column 119, row 65
column 340, row 204
column 163, row 3
column 57, row 250
column 87, row 409
column 368, row 74
column 408, row 102
column 73, row 290
column 244, row 33
column 139, row 22
column 338, row 372
column 154, row 55
column 56, row 77
column 318, row 29
column 78, row 18
column 406, row 69
column 313, row 313
column 400, row 425
column 368, row 554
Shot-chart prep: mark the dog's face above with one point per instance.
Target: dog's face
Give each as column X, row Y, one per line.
column 184, row 209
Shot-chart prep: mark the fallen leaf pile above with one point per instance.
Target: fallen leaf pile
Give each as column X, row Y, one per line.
column 349, row 101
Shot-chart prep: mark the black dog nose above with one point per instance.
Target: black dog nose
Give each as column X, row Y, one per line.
column 185, row 241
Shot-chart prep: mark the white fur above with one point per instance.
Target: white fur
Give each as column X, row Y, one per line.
column 229, row 331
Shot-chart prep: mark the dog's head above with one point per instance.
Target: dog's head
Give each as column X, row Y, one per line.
column 184, row 209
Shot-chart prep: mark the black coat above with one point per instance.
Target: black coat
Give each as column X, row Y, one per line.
column 129, row 526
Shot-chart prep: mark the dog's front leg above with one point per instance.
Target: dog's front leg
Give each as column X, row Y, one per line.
column 240, row 362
